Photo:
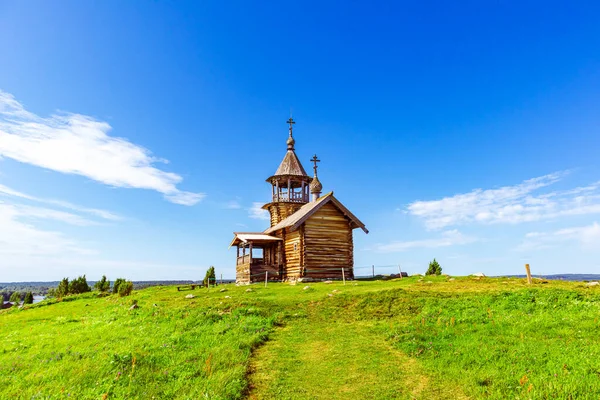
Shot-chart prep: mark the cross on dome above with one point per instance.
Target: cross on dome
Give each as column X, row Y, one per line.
column 315, row 160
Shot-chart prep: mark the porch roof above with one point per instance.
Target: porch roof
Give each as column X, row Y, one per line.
column 252, row 237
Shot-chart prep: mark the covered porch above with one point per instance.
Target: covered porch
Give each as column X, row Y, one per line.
column 258, row 256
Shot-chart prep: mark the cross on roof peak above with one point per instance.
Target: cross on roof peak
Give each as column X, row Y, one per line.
column 291, row 122
column 315, row 160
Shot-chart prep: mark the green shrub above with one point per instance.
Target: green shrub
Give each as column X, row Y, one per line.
column 15, row 297
column 63, row 288
column 434, row 268
column 125, row 288
column 103, row 285
column 210, row 276
column 79, row 285
column 118, row 282
column 28, row 298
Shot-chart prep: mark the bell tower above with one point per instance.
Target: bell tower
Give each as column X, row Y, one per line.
column 290, row 184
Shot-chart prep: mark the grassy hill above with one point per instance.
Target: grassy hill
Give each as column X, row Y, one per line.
column 412, row 338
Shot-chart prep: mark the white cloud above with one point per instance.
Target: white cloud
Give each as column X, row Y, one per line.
column 18, row 238
column 587, row 236
column 6, row 191
column 30, row 212
column 233, row 205
column 257, row 212
column 79, row 144
column 448, row 238
column 509, row 204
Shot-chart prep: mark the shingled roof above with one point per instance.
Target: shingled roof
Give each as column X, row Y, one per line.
column 291, row 165
column 295, row 220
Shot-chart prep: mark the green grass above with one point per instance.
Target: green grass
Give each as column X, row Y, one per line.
column 410, row 338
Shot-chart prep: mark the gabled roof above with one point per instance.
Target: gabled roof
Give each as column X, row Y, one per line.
column 253, row 237
column 291, row 165
column 296, row 219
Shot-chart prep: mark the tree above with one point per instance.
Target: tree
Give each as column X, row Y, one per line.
column 118, row 282
column 15, row 297
column 63, row 288
column 434, row 268
column 103, row 285
column 28, row 298
column 79, row 285
column 210, row 276
column 125, row 288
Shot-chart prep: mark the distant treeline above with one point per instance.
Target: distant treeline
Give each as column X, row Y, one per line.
column 36, row 288
column 41, row 288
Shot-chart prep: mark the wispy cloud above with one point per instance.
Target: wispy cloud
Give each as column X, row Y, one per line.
column 257, row 212
column 448, row 238
column 29, row 212
column 19, row 238
column 509, row 204
column 232, row 205
column 79, row 144
column 587, row 236
column 6, row 191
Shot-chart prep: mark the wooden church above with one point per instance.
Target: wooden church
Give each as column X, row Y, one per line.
column 310, row 237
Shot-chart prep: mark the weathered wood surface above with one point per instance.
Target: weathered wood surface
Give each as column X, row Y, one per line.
column 328, row 245
column 255, row 272
column 280, row 211
column 293, row 249
column 242, row 273
column 189, row 287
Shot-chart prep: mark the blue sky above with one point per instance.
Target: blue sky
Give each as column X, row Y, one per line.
column 135, row 137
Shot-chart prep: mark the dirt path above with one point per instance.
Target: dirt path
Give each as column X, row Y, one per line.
column 318, row 359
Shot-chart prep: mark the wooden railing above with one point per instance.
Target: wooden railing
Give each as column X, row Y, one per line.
column 243, row 259
column 246, row 259
column 294, row 198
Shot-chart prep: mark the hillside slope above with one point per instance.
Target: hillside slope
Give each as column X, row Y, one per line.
column 409, row 338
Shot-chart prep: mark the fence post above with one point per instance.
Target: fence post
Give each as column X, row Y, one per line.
column 343, row 276
column 528, row 274
column 373, row 266
column 266, row 277
column 400, row 270
column 221, row 279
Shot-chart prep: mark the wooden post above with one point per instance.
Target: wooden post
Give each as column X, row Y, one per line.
column 400, row 270
column 221, row 279
column 528, row 274
column 266, row 277
column 343, row 276
column 373, row 267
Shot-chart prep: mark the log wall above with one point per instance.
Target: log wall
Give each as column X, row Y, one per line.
column 328, row 244
column 281, row 210
column 293, row 245
column 255, row 272
column 242, row 273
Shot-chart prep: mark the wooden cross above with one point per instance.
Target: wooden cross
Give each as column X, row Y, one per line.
column 291, row 122
column 315, row 160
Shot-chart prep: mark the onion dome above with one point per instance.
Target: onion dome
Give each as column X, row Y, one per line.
column 291, row 142
column 315, row 185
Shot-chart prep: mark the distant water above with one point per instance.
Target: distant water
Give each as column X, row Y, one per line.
column 37, row 299
column 563, row 277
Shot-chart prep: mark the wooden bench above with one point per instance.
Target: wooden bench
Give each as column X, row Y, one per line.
column 189, row 287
